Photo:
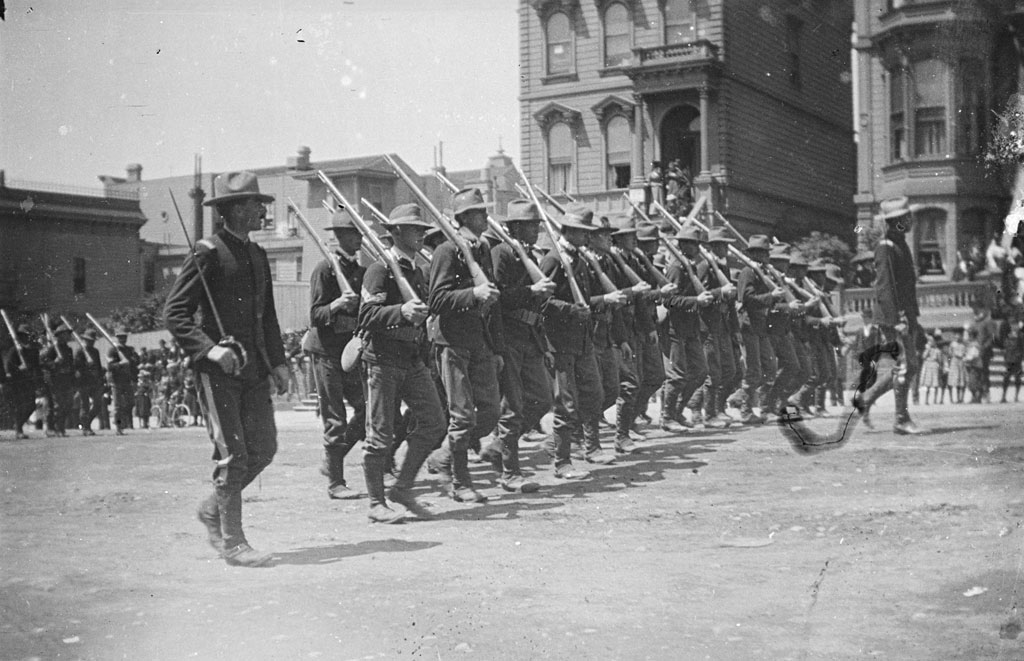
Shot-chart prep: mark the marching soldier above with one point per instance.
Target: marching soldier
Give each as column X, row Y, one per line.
column 122, row 372
column 895, row 313
column 781, row 319
column 237, row 353
column 687, row 365
column 650, row 366
column 467, row 334
column 394, row 360
column 756, row 297
column 333, row 317
column 525, row 384
column 824, row 339
column 567, row 323
column 89, row 380
column 59, row 374
column 804, row 327
column 24, row 378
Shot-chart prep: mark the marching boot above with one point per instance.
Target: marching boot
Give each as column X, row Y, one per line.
column 401, row 491
column 904, row 425
column 373, row 470
column 333, row 468
column 461, row 489
column 667, row 417
column 512, row 477
column 209, row 516
column 440, row 462
column 237, row 551
column 493, row 454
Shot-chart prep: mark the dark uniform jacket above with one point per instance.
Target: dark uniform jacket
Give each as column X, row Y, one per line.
column 58, row 363
column 88, row 374
column 756, row 299
column 388, row 337
column 645, row 312
column 239, row 277
column 713, row 317
column 122, row 373
column 895, row 281
column 459, row 320
column 683, row 309
column 567, row 332
column 330, row 332
column 609, row 329
column 12, row 365
column 522, row 311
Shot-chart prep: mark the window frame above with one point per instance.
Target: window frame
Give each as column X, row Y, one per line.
column 608, row 168
column 665, row 24
column 630, row 33
column 79, row 281
column 570, row 161
column 545, row 25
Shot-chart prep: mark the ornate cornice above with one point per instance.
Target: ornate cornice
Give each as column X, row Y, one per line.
column 611, row 105
column 554, row 112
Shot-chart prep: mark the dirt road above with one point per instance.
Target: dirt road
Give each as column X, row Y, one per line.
column 713, row 545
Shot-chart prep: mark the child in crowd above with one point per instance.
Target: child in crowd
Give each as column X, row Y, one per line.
column 972, row 361
column 931, row 367
column 1013, row 352
column 956, row 374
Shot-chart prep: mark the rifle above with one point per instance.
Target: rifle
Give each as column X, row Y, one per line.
column 670, row 246
column 225, row 339
column 754, row 266
column 51, row 338
column 631, row 275
column 567, row 196
column 536, row 275
column 343, row 283
column 14, row 338
column 549, row 227
column 106, row 335
column 366, row 248
column 383, row 219
column 78, row 338
column 404, row 286
column 479, row 277
column 658, row 276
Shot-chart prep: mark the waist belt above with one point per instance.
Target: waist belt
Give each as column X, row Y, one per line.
column 344, row 324
column 402, row 333
column 525, row 316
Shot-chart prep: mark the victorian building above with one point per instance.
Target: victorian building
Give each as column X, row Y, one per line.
column 752, row 98
column 930, row 76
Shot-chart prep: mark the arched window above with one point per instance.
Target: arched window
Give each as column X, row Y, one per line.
column 560, row 153
column 618, row 38
column 558, row 34
column 897, row 116
column 618, row 145
column 930, row 230
column 929, row 96
column 680, row 22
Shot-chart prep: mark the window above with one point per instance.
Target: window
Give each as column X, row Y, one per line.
column 618, row 38
column 931, row 238
column 794, row 27
column 560, row 151
column 291, row 226
column 149, row 276
column 971, row 111
column 618, row 148
column 268, row 221
column 78, row 275
column 680, row 22
column 929, row 78
column 559, row 41
column 897, row 116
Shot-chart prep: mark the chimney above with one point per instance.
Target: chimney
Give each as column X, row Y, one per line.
column 301, row 159
column 134, row 171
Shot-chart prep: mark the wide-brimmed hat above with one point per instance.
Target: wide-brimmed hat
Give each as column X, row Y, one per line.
column 407, row 214
column 468, row 199
column 894, row 207
column 61, row 328
column 88, row 334
column 777, row 255
column 646, row 231
column 690, row 233
column 575, row 221
column 863, row 256
column 623, row 224
column 523, row 211
column 600, row 224
column 759, row 242
column 581, row 210
column 796, row 259
column 229, row 186
column 720, row 235
column 23, row 329
column 121, row 332
column 834, row 273
column 341, row 219
column 818, row 266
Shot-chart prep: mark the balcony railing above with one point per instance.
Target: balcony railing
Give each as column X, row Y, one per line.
column 693, row 51
column 933, row 296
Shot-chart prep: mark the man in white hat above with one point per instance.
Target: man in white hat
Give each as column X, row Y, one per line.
column 237, row 352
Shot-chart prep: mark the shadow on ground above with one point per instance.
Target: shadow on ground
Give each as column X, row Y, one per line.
column 321, row 555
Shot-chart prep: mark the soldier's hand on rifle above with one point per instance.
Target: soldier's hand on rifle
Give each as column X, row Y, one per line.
column 415, row 311
column 705, row 298
column 779, row 293
column 641, row 287
column 728, row 290
column 668, row 288
column 617, row 297
column 545, row 287
column 225, row 359
column 627, row 351
column 485, row 293
column 349, row 302
column 795, row 306
column 580, row 311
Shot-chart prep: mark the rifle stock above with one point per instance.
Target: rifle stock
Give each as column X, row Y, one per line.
column 106, row 335
column 14, row 338
column 343, row 283
column 78, row 338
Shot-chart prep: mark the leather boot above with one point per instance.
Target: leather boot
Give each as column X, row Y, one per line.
column 401, row 491
column 373, row 469
column 667, row 417
column 209, row 516
column 904, row 425
column 512, row 477
column 237, row 551
column 461, row 489
column 440, row 462
column 333, row 468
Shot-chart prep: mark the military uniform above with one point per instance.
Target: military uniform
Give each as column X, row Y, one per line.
column 59, row 375
column 755, row 298
column 650, row 366
column 23, row 379
column 790, row 372
column 122, row 372
column 687, row 364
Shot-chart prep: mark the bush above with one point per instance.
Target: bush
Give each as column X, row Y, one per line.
column 146, row 316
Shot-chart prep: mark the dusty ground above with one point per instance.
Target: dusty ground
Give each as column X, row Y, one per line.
column 712, row 545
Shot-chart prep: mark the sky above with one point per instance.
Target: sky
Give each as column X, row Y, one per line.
column 90, row 86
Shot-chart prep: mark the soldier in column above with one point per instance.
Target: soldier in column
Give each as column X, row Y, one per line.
column 58, row 362
column 824, row 339
column 567, row 323
column 467, row 335
column 526, row 390
column 333, row 317
column 24, row 378
column 395, row 355
column 235, row 392
column 895, row 314
column 687, row 365
column 89, row 381
column 781, row 318
column 803, row 329
column 122, row 372
column 756, row 297
column 650, row 366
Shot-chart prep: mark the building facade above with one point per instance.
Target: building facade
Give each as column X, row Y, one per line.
column 930, row 75
column 68, row 251
column 752, row 98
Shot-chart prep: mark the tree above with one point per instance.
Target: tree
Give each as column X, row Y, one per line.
column 146, row 316
column 827, row 247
